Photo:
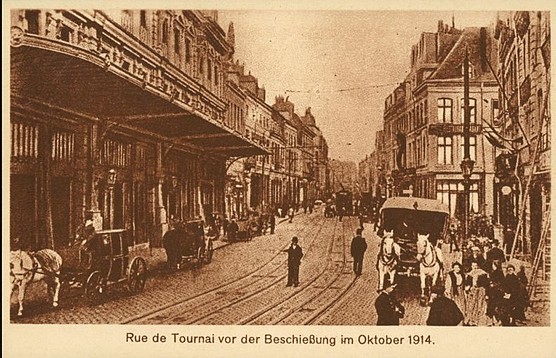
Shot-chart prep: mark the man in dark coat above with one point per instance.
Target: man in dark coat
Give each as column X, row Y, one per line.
column 358, row 247
column 388, row 309
column 232, row 229
column 495, row 254
column 272, row 222
column 295, row 253
column 513, row 297
column 443, row 311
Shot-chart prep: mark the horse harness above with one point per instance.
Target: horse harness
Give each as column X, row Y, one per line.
column 384, row 255
column 26, row 271
column 424, row 253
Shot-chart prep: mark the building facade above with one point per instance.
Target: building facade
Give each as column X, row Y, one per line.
column 524, row 148
column 119, row 117
column 423, row 120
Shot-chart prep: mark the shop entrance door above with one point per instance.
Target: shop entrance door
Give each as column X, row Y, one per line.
column 23, row 211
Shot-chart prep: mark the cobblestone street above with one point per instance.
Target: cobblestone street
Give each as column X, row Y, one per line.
column 245, row 284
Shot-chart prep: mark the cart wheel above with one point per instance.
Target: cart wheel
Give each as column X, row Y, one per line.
column 200, row 257
column 94, row 287
column 137, row 275
column 210, row 251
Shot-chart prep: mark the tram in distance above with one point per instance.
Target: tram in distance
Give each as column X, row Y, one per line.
column 344, row 202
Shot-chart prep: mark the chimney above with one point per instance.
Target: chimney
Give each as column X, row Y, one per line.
column 440, row 26
column 231, row 35
column 261, row 94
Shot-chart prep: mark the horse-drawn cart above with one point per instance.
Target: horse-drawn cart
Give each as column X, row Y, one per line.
column 188, row 243
column 246, row 229
column 103, row 261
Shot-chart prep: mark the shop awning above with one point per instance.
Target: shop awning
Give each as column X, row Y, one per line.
column 66, row 78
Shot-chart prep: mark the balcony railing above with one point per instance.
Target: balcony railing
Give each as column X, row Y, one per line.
column 445, row 129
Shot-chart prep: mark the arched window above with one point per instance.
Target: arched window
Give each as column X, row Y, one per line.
column 209, row 69
column 165, row 30
column 143, row 18
column 177, row 41
column 187, row 50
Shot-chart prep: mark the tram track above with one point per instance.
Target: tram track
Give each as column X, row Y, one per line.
column 172, row 313
column 319, row 295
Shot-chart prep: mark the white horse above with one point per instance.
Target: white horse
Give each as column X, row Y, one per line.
column 430, row 264
column 387, row 258
column 26, row 268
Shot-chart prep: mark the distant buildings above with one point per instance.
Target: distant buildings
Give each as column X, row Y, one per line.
column 343, row 176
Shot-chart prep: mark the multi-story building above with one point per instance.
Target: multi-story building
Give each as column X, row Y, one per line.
column 293, row 169
column 523, row 180
column 343, row 175
column 322, row 189
column 119, row 117
column 423, row 120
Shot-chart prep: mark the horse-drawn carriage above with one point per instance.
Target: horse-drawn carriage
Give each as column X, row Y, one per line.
column 92, row 264
column 101, row 262
column 188, row 243
column 416, row 226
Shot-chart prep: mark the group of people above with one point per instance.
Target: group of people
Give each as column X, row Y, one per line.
column 258, row 223
column 487, row 289
column 473, row 292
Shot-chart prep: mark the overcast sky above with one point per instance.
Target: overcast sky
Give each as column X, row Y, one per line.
column 342, row 64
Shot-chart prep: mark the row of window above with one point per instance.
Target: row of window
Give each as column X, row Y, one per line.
column 445, row 110
column 450, row 191
column 445, row 149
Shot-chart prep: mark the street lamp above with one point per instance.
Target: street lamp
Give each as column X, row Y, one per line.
column 466, row 166
column 111, row 179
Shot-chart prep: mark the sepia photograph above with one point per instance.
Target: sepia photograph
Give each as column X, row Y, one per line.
column 314, row 174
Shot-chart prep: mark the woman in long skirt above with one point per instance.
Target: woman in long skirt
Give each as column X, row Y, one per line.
column 475, row 288
column 455, row 284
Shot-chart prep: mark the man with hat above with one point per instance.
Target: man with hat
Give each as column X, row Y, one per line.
column 443, row 311
column 495, row 254
column 388, row 309
column 295, row 253
column 358, row 248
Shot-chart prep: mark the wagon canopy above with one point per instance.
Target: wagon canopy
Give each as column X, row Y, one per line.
column 409, row 216
column 402, row 202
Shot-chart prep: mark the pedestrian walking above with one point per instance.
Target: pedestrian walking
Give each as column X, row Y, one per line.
column 361, row 221
column 454, row 238
column 272, row 223
column 295, row 253
column 358, row 247
column 341, row 213
column 388, row 309
column 495, row 294
column 225, row 223
column 443, row 311
column 455, row 286
column 514, row 298
column 233, row 228
column 495, row 254
column 476, row 283
column 290, row 214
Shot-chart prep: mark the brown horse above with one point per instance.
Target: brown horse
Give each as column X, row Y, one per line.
column 25, row 268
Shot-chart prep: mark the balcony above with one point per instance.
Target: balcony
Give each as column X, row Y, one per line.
column 446, row 129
